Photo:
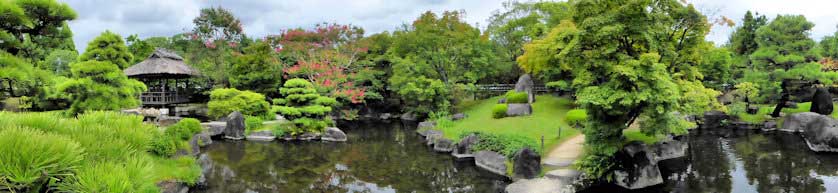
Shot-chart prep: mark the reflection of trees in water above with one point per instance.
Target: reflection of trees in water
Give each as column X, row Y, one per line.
column 710, row 167
column 782, row 163
column 387, row 157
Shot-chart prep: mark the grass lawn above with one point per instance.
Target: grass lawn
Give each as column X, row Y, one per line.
column 766, row 109
column 548, row 116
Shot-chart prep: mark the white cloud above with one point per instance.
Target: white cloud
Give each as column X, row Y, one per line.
column 149, row 18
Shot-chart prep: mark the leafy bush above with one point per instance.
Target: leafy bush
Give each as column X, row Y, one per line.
column 517, row 97
column 304, row 107
column 576, row 117
column 507, row 145
column 227, row 100
column 184, row 129
column 100, row 86
column 441, row 119
column 30, row 159
column 252, row 123
column 163, row 145
column 499, row 111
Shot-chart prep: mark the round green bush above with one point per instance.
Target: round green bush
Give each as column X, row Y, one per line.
column 499, row 111
column 576, row 117
column 517, row 97
column 31, row 159
column 226, row 100
column 184, row 129
column 163, row 145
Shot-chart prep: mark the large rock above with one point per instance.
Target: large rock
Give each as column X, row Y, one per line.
column 821, row 134
column 333, row 134
column 235, row 126
column 165, row 121
column 798, row 122
column 491, row 161
column 214, row 128
column 206, row 169
column 713, row 119
column 431, row 136
column 821, row 102
column 408, row 116
column 426, row 125
column 526, row 164
column 670, row 148
column 518, row 110
column 464, row 146
column 172, row 187
column 263, row 135
column 525, row 84
column 458, row 116
column 195, row 145
column 443, row 145
column 203, row 139
column 636, row 167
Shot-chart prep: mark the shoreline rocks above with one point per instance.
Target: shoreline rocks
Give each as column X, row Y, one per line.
column 798, row 122
column 333, row 134
column 491, row 161
column 636, row 167
column 235, row 126
column 263, row 135
column 821, row 135
column 526, row 164
column 514, row 109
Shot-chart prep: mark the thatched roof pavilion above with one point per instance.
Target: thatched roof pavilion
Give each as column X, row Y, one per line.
column 166, row 76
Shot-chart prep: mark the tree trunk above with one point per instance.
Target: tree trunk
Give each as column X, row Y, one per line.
column 783, row 99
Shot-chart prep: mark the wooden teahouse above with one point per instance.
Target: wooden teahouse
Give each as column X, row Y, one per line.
column 166, row 76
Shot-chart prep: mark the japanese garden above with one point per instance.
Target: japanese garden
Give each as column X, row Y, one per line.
column 539, row 97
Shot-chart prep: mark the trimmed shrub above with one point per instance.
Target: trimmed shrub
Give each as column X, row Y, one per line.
column 576, row 117
column 31, row 159
column 517, row 97
column 499, row 111
column 226, row 100
column 184, row 129
column 507, row 145
column 304, row 107
column 252, row 123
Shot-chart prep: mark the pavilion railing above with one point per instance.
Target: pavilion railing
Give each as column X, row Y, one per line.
column 162, row 98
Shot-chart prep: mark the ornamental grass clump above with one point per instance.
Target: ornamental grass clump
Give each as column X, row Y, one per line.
column 227, row 100
column 31, row 159
column 304, row 107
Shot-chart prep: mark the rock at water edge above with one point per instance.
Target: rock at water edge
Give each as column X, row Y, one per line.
column 443, row 145
column 263, row 135
column 713, row 119
column 214, row 128
column 333, row 134
column 670, row 148
column 526, row 164
column 821, row 134
column 235, row 126
column 636, row 168
column 491, row 161
column 821, row 102
column 798, row 122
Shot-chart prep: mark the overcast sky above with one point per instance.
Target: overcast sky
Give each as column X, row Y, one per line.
column 149, row 18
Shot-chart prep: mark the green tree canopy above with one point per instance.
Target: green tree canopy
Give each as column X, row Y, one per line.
column 59, row 61
column 33, row 28
column 643, row 69
column 304, row 107
column 439, row 49
column 139, row 48
column 743, row 40
column 98, row 85
column 108, row 47
column 256, row 69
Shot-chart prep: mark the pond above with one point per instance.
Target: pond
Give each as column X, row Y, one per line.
column 725, row 161
column 379, row 157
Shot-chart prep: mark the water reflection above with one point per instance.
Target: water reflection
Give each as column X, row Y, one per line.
column 742, row 162
column 377, row 158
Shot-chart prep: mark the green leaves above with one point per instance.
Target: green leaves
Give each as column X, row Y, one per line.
column 100, row 86
column 226, row 100
column 31, row 159
column 108, row 47
column 304, row 107
column 256, row 70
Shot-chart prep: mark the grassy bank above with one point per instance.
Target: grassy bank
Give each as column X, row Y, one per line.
column 547, row 118
column 96, row 152
column 764, row 112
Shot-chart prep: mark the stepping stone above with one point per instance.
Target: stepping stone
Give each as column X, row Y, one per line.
column 538, row 185
column 558, row 162
column 567, row 176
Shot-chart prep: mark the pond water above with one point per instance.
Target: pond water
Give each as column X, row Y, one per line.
column 379, row 157
column 724, row 161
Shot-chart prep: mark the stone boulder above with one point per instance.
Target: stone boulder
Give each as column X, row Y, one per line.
column 206, row 169
column 458, row 116
column 172, row 187
column 526, row 164
column 333, row 134
column 308, row 136
column 443, row 145
column 518, row 110
column 821, row 134
column 408, row 116
column 713, row 119
column 491, row 161
column 636, row 167
column 464, row 146
column 203, row 139
column 195, row 145
column 670, row 148
column 214, row 128
column 165, row 121
column 431, row 136
column 426, row 125
column 526, row 84
column 235, row 126
column 770, row 125
column 798, row 122
column 263, row 135
column 385, row 116
column 821, row 102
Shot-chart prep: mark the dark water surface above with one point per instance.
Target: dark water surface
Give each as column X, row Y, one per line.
column 724, row 161
column 379, row 157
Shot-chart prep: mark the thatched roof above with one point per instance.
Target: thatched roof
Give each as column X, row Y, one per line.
column 162, row 64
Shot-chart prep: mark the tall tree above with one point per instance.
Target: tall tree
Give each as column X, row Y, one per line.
column 211, row 44
column 642, row 69
column 58, row 62
column 256, row 69
column 743, row 40
column 785, row 51
column 108, row 47
column 438, row 54
column 139, row 48
column 33, row 28
column 100, row 85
